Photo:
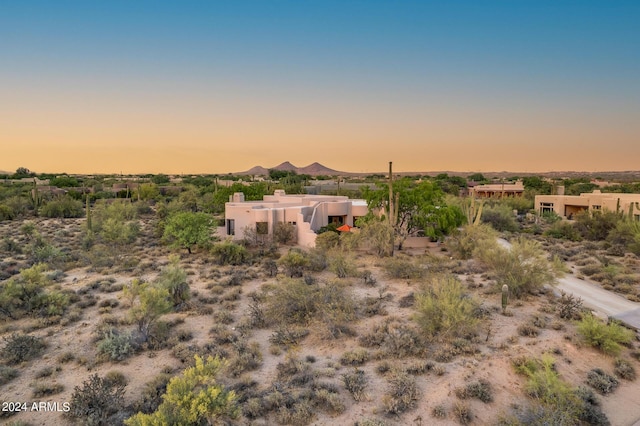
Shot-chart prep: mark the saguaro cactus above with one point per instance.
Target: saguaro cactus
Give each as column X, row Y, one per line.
column 505, row 298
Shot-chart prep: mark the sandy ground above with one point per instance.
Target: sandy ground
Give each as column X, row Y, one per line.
column 498, row 345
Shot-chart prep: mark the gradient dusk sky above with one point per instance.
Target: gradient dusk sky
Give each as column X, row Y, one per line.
column 220, row 86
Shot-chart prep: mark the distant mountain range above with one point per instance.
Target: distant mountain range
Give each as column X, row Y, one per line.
column 313, row 169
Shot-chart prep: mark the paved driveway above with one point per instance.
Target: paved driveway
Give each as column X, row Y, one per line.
column 605, row 302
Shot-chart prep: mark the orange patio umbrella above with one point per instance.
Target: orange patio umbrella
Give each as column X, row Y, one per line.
column 344, row 228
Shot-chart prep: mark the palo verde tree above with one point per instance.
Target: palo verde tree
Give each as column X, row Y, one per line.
column 417, row 209
column 188, row 229
column 524, row 266
column 194, row 398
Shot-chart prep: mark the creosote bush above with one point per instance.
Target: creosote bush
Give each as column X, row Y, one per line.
column 19, row 348
column 96, row 401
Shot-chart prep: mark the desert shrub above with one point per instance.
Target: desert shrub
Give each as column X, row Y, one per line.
column 116, row 377
column 528, row 330
column 462, row 413
column 343, row 265
column 116, row 345
column 317, row 260
column 294, row 263
column 402, row 395
column 439, row 411
column 355, row 357
column 7, row 374
column 569, row 306
column 443, row 309
column 602, row 382
column 328, row 400
column 148, row 304
column 292, row 302
column 500, row 217
column 394, row 338
column 327, row 241
column 195, row 397
column 480, row 390
column 173, row 278
column 624, row 369
column 188, row 229
column 523, row 267
column 596, row 226
column 287, row 335
column 404, row 268
column 6, row 213
column 229, row 253
column 248, row 357
column 64, row 207
column 96, row 401
column 284, row 233
column 355, row 382
column 590, row 411
column 42, row 389
column 19, row 348
column 605, row 337
column 564, row 230
column 464, row 242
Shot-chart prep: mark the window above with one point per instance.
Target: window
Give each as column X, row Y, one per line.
column 594, row 207
column 546, row 208
column 262, row 228
column 231, row 227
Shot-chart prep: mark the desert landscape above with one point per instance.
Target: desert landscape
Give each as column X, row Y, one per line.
column 338, row 334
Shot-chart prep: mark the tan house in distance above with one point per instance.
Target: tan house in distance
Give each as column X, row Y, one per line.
column 568, row 206
column 308, row 213
column 497, row 190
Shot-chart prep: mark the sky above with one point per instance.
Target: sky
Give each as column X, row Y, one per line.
column 141, row 86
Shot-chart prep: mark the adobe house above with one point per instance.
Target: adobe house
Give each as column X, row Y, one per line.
column 567, row 206
column 307, row 213
column 497, row 190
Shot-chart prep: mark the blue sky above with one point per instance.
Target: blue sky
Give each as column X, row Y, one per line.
column 426, row 84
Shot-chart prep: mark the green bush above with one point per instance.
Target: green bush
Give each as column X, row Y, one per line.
column 524, row 267
column 394, row 338
column 327, row 241
column 343, row 265
column 63, row 207
column 228, row 253
column 500, row 217
column 605, row 337
column 464, row 242
column 443, row 309
column 174, row 279
column 6, row 213
column 19, row 348
column 116, row 345
column 294, row 263
column 564, row 230
column 195, row 397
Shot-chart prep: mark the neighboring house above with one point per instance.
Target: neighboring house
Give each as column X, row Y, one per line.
column 569, row 205
column 497, row 190
column 308, row 213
